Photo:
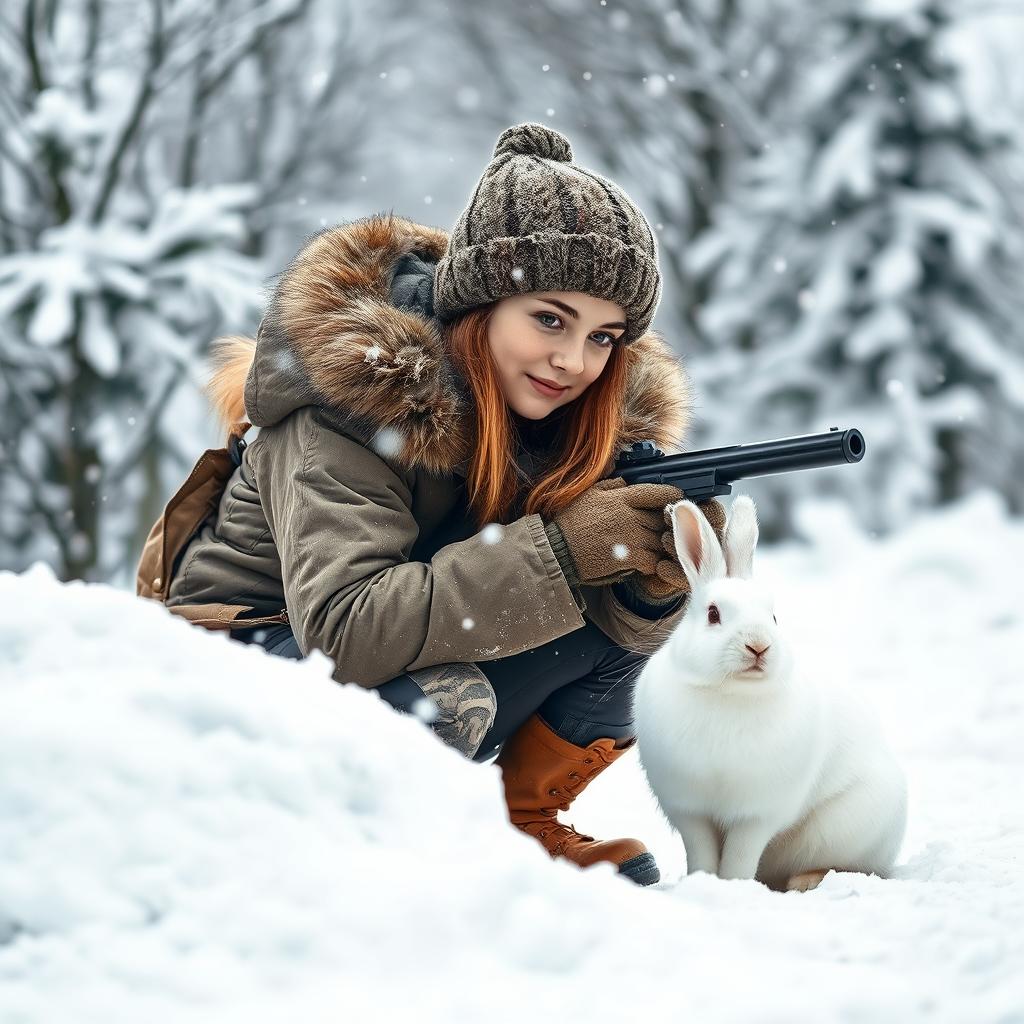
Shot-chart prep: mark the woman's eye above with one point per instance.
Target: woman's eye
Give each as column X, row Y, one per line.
column 605, row 334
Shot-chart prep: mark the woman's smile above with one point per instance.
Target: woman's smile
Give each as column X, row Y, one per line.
column 544, row 389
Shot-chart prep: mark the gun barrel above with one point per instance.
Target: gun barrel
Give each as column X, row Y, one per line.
column 760, row 458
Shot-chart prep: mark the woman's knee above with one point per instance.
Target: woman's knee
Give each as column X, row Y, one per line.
column 463, row 704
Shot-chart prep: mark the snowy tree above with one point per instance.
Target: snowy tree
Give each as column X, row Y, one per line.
column 108, row 319
column 863, row 270
column 149, row 154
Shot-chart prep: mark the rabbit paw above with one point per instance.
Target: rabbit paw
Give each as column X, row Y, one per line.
column 806, row 880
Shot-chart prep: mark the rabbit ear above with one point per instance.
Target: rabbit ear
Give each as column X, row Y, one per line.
column 740, row 537
column 697, row 547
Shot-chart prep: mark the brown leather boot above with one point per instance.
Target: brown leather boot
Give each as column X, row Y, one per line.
column 542, row 774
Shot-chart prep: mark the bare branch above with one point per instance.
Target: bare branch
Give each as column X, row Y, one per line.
column 145, row 94
column 207, row 84
column 250, row 45
column 38, row 82
column 187, row 43
column 7, row 241
column 31, row 51
column 92, row 39
column 194, row 120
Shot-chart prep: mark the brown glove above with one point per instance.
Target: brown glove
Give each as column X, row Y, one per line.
column 668, row 578
column 611, row 513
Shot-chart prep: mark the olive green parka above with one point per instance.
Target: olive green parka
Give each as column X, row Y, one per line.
column 349, row 507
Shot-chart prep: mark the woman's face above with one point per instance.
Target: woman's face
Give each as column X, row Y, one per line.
column 564, row 337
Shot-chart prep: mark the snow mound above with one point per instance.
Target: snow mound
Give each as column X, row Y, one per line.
column 188, row 824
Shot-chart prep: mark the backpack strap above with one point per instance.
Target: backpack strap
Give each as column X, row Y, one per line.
column 235, row 443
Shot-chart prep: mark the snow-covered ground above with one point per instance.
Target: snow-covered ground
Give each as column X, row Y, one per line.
column 193, row 830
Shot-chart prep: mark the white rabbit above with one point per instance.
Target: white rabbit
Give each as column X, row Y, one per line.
column 765, row 772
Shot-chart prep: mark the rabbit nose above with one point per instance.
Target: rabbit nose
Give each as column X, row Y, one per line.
column 757, row 653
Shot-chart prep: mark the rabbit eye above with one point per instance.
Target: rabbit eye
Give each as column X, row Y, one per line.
column 775, row 620
column 713, row 616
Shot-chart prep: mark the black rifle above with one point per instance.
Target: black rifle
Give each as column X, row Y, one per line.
column 712, row 471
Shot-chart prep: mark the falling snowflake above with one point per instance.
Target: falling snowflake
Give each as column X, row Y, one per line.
column 467, row 98
column 387, row 442
column 620, row 551
column 656, row 86
column 424, row 709
column 492, row 533
column 284, row 360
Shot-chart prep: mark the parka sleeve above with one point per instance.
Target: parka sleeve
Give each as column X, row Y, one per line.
column 619, row 622
column 341, row 518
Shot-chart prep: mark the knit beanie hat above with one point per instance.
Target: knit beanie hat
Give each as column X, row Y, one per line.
column 539, row 222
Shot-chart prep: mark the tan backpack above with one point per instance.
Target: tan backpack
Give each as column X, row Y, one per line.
column 194, row 502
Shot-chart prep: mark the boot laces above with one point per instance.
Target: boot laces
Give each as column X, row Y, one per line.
column 567, row 834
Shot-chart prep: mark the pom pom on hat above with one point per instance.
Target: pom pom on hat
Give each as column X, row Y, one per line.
column 533, row 139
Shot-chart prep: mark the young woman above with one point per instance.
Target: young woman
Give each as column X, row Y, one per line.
column 429, row 500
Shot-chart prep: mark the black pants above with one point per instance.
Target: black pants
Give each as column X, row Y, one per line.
column 581, row 685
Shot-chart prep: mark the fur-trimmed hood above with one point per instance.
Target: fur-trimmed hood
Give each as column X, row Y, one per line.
column 350, row 328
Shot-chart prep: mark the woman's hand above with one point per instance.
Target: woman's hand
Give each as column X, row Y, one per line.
column 668, row 578
column 613, row 530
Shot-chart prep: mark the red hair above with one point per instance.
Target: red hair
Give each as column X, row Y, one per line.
column 585, row 439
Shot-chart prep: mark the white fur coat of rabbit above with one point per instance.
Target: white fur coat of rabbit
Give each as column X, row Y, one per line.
column 766, row 772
